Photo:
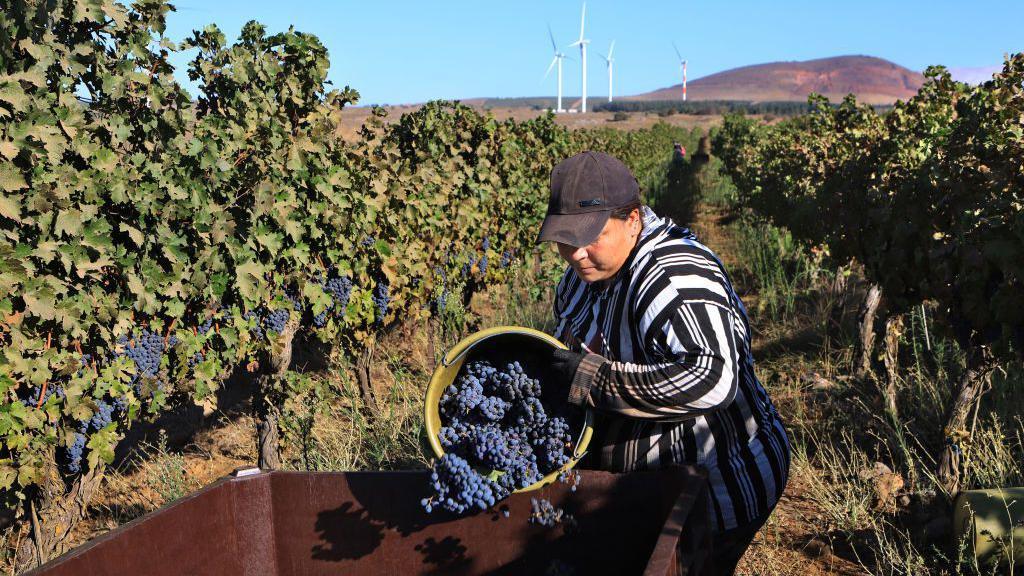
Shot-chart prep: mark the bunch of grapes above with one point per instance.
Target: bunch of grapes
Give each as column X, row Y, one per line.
column 381, row 299
column 146, row 350
column 467, row 268
column 293, row 298
column 33, row 395
column 340, row 290
column 276, row 320
column 546, row 514
column 206, row 325
column 74, row 454
column 572, row 478
column 104, row 415
column 83, row 362
column 494, row 419
column 457, row 487
column 506, row 259
column 71, row 456
column 270, row 320
column 257, row 328
column 121, row 404
column 442, row 301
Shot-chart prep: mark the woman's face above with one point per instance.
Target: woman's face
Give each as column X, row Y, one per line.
column 602, row 258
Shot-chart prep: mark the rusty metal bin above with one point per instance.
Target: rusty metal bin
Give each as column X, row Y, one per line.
column 292, row 523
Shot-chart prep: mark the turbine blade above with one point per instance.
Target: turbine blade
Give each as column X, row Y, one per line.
column 583, row 16
column 610, row 50
column 677, row 51
column 550, row 66
column 552, row 35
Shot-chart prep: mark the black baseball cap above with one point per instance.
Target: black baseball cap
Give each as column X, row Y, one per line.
column 585, row 190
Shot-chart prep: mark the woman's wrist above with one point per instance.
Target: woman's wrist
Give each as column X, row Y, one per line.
column 583, row 379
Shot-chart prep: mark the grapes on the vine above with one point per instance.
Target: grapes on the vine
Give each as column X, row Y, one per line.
column 506, row 259
column 340, row 290
column 103, row 416
column 381, row 299
column 74, row 454
column 146, row 350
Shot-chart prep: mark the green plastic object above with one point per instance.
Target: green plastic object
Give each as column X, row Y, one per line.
column 992, row 523
column 516, row 339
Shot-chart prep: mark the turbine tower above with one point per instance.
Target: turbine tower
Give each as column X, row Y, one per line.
column 610, row 61
column 582, row 43
column 557, row 59
column 682, row 64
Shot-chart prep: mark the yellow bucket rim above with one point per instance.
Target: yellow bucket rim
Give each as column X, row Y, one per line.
column 444, row 376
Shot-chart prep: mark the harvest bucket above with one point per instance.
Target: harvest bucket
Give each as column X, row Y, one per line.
column 507, row 342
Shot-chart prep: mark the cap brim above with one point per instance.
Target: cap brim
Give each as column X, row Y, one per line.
column 573, row 229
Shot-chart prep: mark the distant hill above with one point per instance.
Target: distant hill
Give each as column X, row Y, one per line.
column 873, row 80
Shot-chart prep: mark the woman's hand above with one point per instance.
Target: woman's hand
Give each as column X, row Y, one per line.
column 563, row 365
column 572, row 374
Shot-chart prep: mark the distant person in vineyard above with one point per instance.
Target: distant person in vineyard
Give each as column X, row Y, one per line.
column 660, row 349
column 678, row 152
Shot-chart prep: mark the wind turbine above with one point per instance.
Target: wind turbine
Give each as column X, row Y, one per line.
column 582, row 43
column 682, row 64
column 610, row 61
column 558, row 58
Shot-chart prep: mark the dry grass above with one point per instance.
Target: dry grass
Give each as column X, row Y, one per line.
column 836, row 516
column 352, row 119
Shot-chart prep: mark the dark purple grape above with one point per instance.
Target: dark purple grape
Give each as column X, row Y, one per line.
column 381, row 299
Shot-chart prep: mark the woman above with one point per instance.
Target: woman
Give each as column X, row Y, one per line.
column 660, row 349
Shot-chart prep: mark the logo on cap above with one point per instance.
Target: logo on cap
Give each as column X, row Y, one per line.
column 588, row 203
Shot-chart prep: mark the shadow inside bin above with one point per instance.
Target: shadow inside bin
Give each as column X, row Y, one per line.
column 619, row 518
column 447, row 552
column 379, row 502
column 347, row 533
column 616, row 526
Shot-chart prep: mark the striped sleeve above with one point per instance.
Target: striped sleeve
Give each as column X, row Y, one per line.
column 697, row 372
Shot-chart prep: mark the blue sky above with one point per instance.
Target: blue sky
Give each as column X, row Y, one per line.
column 412, row 51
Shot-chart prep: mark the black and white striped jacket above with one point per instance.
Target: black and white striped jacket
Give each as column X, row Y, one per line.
column 670, row 373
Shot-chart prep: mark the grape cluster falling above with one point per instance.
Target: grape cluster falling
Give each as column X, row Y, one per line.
column 494, row 420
